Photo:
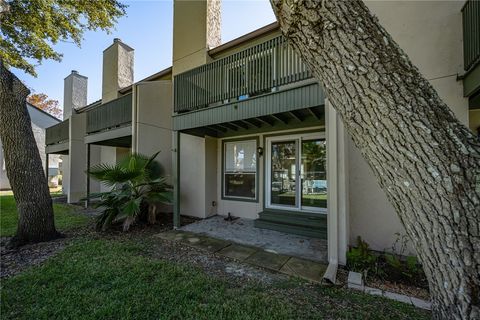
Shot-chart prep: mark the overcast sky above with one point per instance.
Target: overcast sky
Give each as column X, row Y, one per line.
column 147, row 28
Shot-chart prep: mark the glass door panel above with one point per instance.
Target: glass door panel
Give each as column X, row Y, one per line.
column 283, row 173
column 313, row 174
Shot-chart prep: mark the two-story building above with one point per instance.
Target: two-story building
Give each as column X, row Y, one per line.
column 245, row 130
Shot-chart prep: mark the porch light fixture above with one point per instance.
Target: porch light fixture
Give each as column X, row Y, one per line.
column 260, row 151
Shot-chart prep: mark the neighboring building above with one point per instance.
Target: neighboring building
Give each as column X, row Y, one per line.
column 253, row 133
column 40, row 121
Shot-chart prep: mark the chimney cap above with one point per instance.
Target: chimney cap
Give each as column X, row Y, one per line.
column 74, row 71
column 117, row 40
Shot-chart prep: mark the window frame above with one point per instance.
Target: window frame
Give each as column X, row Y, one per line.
column 256, row 174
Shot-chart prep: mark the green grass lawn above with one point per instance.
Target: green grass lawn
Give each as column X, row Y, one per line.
column 117, row 279
column 64, row 216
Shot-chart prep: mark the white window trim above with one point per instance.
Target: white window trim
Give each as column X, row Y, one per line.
column 224, row 171
column 268, row 172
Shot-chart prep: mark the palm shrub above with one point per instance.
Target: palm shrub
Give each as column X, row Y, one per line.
column 136, row 184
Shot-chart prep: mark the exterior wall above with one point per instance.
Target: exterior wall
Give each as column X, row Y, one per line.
column 95, row 158
column 211, row 167
column 107, row 155
column 430, row 33
column 192, row 176
column 152, row 121
column 198, row 175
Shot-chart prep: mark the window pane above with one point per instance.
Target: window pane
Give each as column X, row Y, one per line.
column 314, row 175
column 283, row 173
column 241, row 156
column 240, row 185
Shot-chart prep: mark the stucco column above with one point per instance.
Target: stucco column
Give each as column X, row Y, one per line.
column 77, row 157
column 337, row 196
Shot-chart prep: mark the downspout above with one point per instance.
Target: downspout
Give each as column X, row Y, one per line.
column 332, row 207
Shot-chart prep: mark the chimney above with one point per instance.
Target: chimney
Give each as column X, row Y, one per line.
column 117, row 69
column 74, row 93
column 196, row 29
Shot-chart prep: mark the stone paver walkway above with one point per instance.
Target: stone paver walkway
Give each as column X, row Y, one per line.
column 293, row 266
column 268, row 259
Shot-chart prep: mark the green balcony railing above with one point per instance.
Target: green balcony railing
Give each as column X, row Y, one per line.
column 58, row 133
column 471, row 33
column 110, row 115
column 253, row 71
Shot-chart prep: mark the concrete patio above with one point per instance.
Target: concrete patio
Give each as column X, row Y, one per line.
column 292, row 266
column 242, row 231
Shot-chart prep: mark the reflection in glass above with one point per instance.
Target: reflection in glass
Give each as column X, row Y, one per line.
column 283, row 173
column 240, row 169
column 313, row 173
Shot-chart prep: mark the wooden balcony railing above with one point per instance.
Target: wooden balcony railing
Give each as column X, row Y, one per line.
column 113, row 114
column 247, row 73
column 471, row 33
column 58, row 133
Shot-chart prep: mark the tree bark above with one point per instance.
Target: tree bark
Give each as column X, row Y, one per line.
column 23, row 164
column 424, row 159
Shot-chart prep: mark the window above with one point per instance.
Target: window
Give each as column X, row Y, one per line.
column 240, row 169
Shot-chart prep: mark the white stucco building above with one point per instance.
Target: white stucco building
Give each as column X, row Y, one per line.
column 40, row 121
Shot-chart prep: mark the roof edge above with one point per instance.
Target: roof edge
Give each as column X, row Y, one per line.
column 149, row 78
column 44, row 112
column 246, row 37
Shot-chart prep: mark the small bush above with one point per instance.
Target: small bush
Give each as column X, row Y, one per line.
column 360, row 258
column 393, row 266
column 137, row 188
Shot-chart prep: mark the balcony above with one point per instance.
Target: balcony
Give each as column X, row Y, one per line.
column 111, row 115
column 471, row 48
column 57, row 134
column 471, row 33
column 261, row 69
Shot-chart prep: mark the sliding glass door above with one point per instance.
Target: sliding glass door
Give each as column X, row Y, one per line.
column 296, row 173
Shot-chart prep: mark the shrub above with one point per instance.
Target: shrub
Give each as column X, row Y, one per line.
column 360, row 258
column 136, row 183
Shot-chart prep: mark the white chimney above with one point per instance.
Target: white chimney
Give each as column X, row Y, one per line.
column 74, row 93
column 117, row 69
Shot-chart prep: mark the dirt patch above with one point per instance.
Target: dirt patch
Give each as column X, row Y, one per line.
column 16, row 260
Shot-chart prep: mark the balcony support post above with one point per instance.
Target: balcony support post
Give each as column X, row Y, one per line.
column 176, row 178
column 46, row 166
column 87, row 198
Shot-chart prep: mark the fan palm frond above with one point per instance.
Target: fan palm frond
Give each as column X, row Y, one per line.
column 136, row 179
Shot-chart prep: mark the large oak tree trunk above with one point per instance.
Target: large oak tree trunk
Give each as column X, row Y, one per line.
column 23, row 164
column 425, row 160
